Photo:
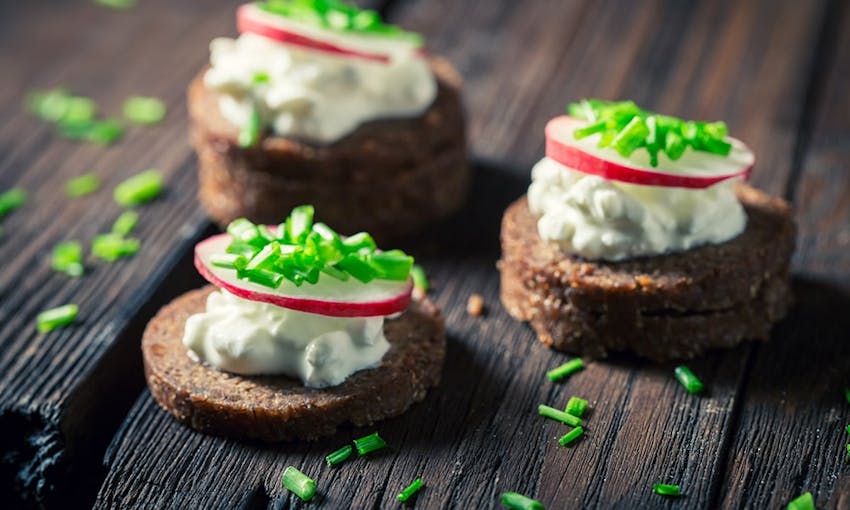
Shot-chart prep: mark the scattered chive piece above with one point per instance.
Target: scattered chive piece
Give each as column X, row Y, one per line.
column 665, row 489
column 117, row 4
column 249, row 135
column 516, row 501
column 848, row 429
column 140, row 188
column 144, row 110
column 260, row 77
column 558, row 415
column 111, row 246
column 82, row 185
column 125, row 223
column 298, row 483
column 103, row 132
column 848, row 450
column 339, row 456
column 847, row 395
column 420, row 281
column 625, row 127
column 576, row 406
column 410, row 490
column 570, row 367
column 803, row 502
column 571, row 436
column 49, row 320
column 68, row 258
column 228, row 261
column 11, row 200
column 688, row 379
column 299, row 250
column 369, row 444
column 58, row 105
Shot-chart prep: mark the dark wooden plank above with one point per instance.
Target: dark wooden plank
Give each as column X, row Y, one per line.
column 477, row 435
column 63, row 394
column 794, row 415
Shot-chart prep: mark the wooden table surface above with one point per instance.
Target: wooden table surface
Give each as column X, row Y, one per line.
column 78, row 428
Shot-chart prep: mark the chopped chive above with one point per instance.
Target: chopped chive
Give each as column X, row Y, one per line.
column 339, row 456
column 144, row 110
column 846, row 392
column 228, row 261
column 410, row 490
column 249, row 135
column 848, row 450
column 420, row 281
column 82, row 185
column 299, row 223
column 260, row 77
column 571, row 436
column 49, row 320
column 140, row 188
column 117, row 4
column 359, row 241
column 570, row 367
column 68, row 258
column 356, row 267
column 48, row 105
column 298, row 483
column 264, row 277
column 803, row 502
column 665, row 489
column 558, row 415
column 369, row 444
column 688, row 379
column 576, row 406
column 103, row 132
column 111, row 246
column 11, row 200
column 125, row 223
column 516, row 501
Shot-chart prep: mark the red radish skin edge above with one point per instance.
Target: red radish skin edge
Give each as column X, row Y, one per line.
column 317, row 306
column 248, row 21
column 575, row 158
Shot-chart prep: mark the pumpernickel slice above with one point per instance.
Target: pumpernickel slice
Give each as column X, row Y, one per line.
column 277, row 408
column 662, row 307
column 388, row 177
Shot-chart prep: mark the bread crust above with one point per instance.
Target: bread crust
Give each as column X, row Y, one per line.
column 278, row 408
column 388, row 177
column 662, row 307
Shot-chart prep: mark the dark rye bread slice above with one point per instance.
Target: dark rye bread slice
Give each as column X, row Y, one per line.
column 277, row 408
column 388, row 177
column 663, row 307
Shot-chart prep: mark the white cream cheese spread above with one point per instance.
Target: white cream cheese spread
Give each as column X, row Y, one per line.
column 308, row 94
column 252, row 338
column 611, row 220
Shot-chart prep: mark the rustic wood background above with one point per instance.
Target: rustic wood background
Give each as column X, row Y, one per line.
column 77, row 427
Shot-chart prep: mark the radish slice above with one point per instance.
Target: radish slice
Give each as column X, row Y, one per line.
column 329, row 296
column 250, row 18
column 695, row 169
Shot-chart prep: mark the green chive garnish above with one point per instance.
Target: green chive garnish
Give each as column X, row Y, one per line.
column 846, row 392
column 626, row 128
column 300, row 251
column 665, row 489
column 516, row 501
column 558, row 415
column 410, row 490
column 249, row 135
column 228, row 261
column 58, row 105
column 803, row 502
column 112, row 246
column 125, row 223
column 117, row 4
column 298, row 483
column 68, row 258
column 339, row 456
column 688, row 379
column 140, row 188
column 49, row 320
column 82, row 185
column 571, row 436
column 576, row 406
column 369, row 444
column 420, row 281
column 144, row 110
column 103, row 132
column 11, row 200
column 570, row 367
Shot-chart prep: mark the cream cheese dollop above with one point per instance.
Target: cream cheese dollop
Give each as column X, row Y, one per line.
column 253, row 338
column 611, row 220
column 313, row 95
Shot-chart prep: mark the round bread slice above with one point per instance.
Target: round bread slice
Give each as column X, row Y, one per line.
column 663, row 307
column 278, row 408
column 398, row 174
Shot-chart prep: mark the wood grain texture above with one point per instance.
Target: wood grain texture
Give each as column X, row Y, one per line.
column 478, row 434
